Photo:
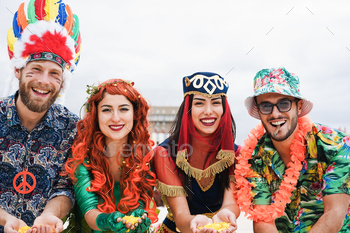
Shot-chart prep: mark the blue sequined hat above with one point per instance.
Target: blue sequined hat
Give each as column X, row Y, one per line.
column 205, row 83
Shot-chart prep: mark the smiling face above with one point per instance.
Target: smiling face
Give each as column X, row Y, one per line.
column 287, row 121
column 115, row 118
column 39, row 84
column 206, row 114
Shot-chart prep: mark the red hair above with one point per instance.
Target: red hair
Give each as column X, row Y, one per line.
column 90, row 144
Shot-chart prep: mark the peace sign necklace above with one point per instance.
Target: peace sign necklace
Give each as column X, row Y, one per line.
column 24, row 187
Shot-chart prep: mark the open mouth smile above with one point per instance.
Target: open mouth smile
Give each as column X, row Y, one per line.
column 116, row 127
column 208, row 121
column 40, row 91
column 278, row 123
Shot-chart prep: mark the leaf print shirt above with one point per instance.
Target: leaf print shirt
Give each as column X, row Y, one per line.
column 325, row 171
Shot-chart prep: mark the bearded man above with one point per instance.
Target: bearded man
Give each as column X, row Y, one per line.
column 293, row 175
column 36, row 134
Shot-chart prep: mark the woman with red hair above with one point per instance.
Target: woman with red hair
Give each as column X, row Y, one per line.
column 110, row 166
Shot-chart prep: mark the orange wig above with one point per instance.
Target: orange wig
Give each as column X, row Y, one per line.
column 90, row 143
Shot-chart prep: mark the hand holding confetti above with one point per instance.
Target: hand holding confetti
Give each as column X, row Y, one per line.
column 219, row 226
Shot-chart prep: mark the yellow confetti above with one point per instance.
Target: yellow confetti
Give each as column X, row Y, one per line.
column 131, row 219
column 220, row 226
column 23, row 229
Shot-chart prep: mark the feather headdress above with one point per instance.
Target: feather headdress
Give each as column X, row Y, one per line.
column 44, row 30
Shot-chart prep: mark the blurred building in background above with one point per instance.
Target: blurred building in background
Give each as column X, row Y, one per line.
column 160, row 121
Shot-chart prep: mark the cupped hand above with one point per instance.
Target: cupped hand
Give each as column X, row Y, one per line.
column 143, row 223
column 142, row 218
column 198, row 221
column 13, row 225
column 226, row 215
column 128, row 225
column 47, row 223
column 40, row 229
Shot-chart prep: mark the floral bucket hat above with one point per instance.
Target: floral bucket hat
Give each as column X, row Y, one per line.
column 276, row 80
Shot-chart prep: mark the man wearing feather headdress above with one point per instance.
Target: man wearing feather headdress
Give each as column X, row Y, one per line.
column 36, row 132
column 293, row 175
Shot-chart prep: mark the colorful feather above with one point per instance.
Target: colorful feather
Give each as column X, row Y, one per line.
column 75, row 29
column 54, row 12
column 77, row 59
column 51, row 9
column 31, row 12
column 77, row 50
column 69, row 22
column 9, row 52
column 10, row 39
column 26, row 3
column 19, row 23
column 78, row 42
column 39, row 6
column 22, row 17
column 62, row 14
column 16, row 29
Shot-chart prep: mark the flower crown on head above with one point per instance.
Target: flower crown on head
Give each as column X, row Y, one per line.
column 93, row 90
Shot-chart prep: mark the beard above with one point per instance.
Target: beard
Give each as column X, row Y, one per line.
column 293, row 125
column 32, row 104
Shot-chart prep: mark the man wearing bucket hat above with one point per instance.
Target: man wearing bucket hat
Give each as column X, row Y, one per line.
column 36, row 134
column 293, row 175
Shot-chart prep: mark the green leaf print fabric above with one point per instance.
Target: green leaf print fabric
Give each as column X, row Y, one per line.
column 326, row 171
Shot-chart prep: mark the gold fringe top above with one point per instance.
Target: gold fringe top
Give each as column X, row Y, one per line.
column 170, row 190
column 226, row 159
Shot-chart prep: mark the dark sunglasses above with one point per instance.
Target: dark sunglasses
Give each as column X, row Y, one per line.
column 284, row 105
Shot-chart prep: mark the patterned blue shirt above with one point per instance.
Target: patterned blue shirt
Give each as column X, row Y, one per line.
column 42, row 152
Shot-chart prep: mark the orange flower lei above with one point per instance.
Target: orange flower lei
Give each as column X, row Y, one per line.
column 290, row 178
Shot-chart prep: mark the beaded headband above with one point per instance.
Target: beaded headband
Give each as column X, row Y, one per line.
column 205, row 83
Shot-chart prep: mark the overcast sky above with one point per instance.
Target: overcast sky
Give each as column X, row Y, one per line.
column 156, row 43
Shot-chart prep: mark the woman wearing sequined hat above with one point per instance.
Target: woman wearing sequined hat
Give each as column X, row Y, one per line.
column 110, row 167
column 194, row 165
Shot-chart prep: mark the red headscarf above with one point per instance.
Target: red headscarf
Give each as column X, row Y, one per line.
column 221, row 139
